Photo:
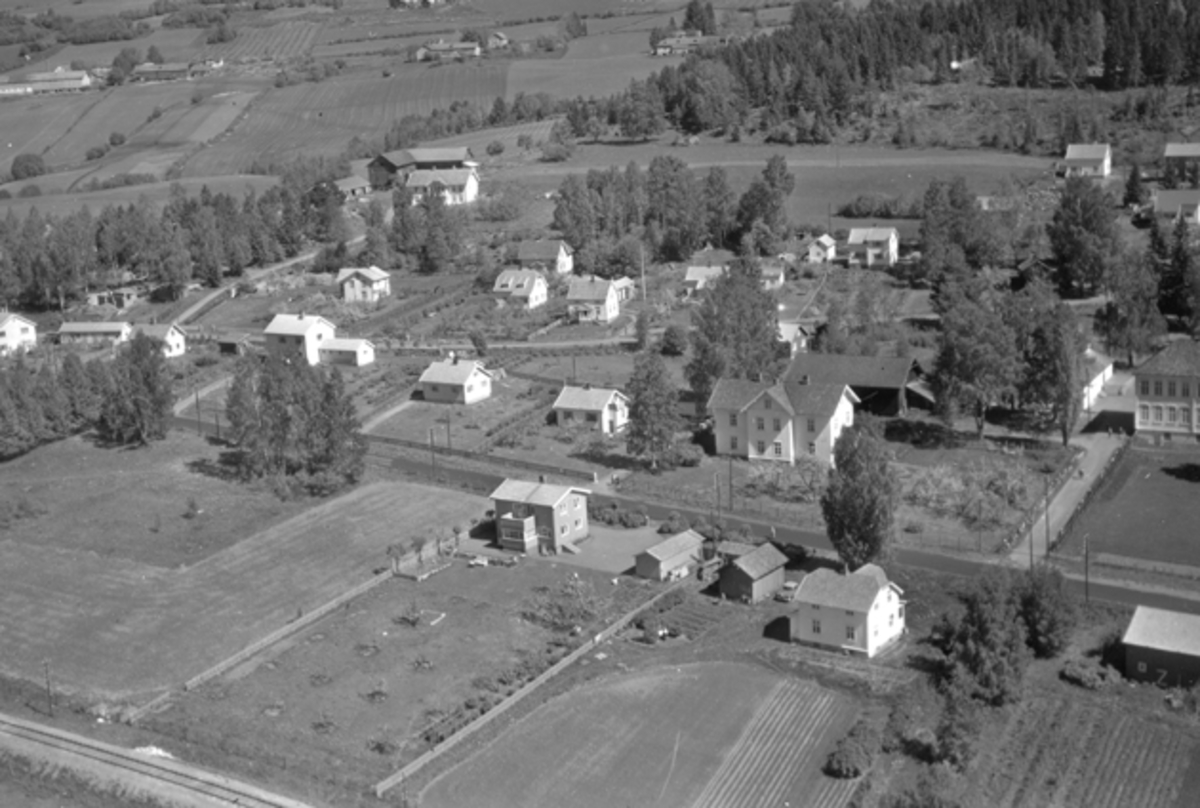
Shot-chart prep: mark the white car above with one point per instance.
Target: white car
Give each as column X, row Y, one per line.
column 788, row 592
column 477, row 561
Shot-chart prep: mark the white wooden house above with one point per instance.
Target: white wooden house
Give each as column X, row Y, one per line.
column 862, row 612
column 364, row 284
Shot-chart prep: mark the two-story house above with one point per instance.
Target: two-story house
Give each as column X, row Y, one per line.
column 548, row 256
column 539, row 516
column 524, row 288
column 290, row 334
column 174, row 341
column 17, row 334
column 861, row 612
column 821, row 250
column 1087, row 160
column 456, row 381
column 780, row 421
column 394, row 167
column 872, row 246
column 605, row 409
column 592, row 300
column 458, row 186
column 1168, row 391
column 364, row 284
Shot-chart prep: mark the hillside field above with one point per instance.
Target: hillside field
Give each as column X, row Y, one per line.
column 716, row 735
column 310, row 119
column 157, row 193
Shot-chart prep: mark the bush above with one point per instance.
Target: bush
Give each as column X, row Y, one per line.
column 1088, row 674
column 28, row 191
column 155, row 114
column 616, row 516
column 96, row 152
column 688, row 455
column 855, row 753
column 495, row 148
column 25, row 166
column 674, row 340
column 674, row 524
column 1049, row 615
column 556, row 152
column 116, row 139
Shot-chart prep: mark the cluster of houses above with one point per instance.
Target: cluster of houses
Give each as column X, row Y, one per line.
column 450, row 169
column 589, row 299
column 440, row 50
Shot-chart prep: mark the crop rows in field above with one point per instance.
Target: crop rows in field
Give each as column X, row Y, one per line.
column 122, row 109
column 1064, row 753
column 321, row 118
column 782, row 741
column 32, row 125
column 280, row 41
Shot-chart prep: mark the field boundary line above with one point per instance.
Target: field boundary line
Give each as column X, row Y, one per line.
column 385, row 785
column 263, row 643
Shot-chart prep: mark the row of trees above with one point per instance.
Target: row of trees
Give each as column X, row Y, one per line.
column 294, row 422
column 674, row 212
column 127, row 400
column 49, row 261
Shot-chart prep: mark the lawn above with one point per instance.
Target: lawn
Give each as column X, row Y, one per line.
column 468, row 426
column 116, row 627
column 663, row 737
column 1148, row 509
column 358, row 695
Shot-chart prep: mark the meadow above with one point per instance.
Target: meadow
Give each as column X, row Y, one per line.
column 156, row 193
column 310, row 119
column 282, row 40
column 176, row 45
column 662, row 737
column 32, row 125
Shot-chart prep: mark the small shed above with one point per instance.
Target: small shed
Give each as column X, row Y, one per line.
column 755, row 576
column 234, row 344
column 348, row 351
column 1163, row 647
column 672, row 558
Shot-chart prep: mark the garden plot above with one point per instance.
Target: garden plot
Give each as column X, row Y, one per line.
column 663, row 737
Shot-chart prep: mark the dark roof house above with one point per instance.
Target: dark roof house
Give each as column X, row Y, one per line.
column 882, row 383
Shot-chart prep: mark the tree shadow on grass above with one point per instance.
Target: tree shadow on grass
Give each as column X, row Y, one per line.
column 224, row 468
column 923, row 434
column 1188, row 472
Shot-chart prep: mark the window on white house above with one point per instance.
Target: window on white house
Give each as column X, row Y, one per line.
column 1170, row 415
column 562, row 531
column 577, row 523
column 778, row 449
column 733, row 444
column 562, row 509
column 759, row 424
column 1158, row 414
column 1145, row 388
column 1185, row 390
column 762, row 447
column 1170, row 389
column 733, row 419
column 1144, row 412
column 776, row 424
column 766, row 403
column 851, row 633
column 816, row 627
column 812, row 448
column 891, row 620
column 1158, row 388
column 812, row 425
column 575, row 502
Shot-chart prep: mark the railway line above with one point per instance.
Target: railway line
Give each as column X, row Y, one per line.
column 144, row 772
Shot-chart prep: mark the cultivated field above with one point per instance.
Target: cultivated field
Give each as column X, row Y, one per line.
column 1147, row 509
column 595, row 66
column 1073, row 753
column 282, row 40
column 363, row 687
column 321, row 118
column 717, row 735
column 467, row 426
column 122, row 603
column 176, row 45
column 32, row 125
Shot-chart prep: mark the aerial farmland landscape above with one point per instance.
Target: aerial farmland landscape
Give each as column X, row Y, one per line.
column 521, row 403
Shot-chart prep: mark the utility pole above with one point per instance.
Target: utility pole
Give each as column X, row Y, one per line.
column 199, row 426
column 1087, row 571
column 731, row 482
column 449, row 446
column 1046, row 480
column 717, row 490
column 432, row 457
column 49, row 692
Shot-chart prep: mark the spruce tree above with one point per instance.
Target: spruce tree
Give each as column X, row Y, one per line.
column 860, row 501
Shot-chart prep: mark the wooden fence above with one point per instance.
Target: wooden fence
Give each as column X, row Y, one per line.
column 511, row 462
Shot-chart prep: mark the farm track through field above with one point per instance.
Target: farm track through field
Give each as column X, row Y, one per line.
column 126, row 765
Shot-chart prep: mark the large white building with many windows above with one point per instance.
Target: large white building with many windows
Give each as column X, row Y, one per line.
column 1168, row 390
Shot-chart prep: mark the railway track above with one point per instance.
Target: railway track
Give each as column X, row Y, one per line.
column 208, row 788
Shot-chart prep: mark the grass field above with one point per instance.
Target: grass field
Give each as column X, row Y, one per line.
column 157, row 193
column 717, row 735
column 595, row 66
column 601, row 370
column 176, row 44
column 118, row 628
column 321, row 118
column 1148, row 508
column 32, row 125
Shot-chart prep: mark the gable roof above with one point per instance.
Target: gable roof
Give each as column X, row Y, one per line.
column 518, row 282
column 590, row 288
column 856, row 371
column 795, row 397
column 1170, row 201
column 1180, row 358
column 450, row 371
column 535, row 493
column 711, row 257
column 371, row 273
column 761, row 561
column 1089, row 152
column 1184, row 150
column 790, row 332
column 295, row 325
column 871, row 235
column 93, row 328
column 773, row 272
column 351, row 183
column 157, row 331
column 410, row 157
column 703, row 274
column 588, row 399
column 450, row 177
column 541, row 250
column 854, row 592
column 7, row 317
column 683, row 542
column 1165, row 630
column 345, row 344
column 734, row 548
column 825, row 240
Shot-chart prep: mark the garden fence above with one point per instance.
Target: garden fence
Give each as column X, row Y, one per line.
column 1072, row 523
column 512, row 462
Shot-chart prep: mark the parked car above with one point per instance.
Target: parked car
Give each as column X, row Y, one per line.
column 788, row 592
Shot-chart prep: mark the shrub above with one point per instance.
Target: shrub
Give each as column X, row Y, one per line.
column 29, row 191
column 854, row 753
column 688, row 455
column 116, row 139
column 1049, row 615
column 674, row 340
column 556, row 152
column 96, row 152
column 674, row 524
column 1088, row 674
column 25, row 166
column 495, row 148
